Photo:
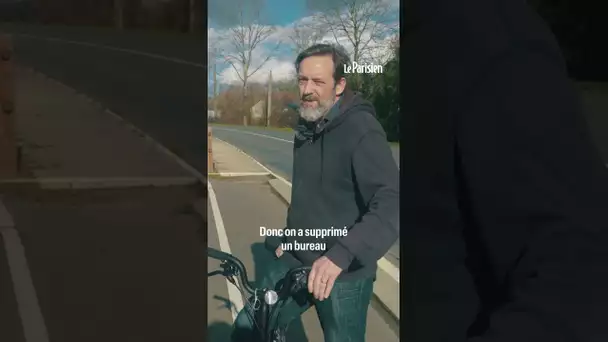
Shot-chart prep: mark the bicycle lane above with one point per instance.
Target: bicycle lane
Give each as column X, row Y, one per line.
column 112, row 264
column 245, row 204
column 10, row 322
column 98, row 238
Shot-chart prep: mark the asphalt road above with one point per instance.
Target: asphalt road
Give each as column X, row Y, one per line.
column 153, row 81
column 243, row 235
column 187, row 48
column 271, row 147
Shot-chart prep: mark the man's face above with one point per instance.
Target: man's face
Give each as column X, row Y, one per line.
column 317, row 87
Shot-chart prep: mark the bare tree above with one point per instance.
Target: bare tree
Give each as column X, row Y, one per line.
column 305, row 34
column 245, row 39
column 362, row 23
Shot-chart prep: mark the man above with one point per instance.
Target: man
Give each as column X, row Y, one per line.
column 344, row 176
column 506, row 198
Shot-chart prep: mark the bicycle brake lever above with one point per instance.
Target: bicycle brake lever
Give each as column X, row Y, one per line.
column 230, row 271
column 214, row 273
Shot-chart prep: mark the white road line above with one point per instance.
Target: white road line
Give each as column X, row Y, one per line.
column 384, row 264
column 389, row 268
column 257, row 162
column 238, row 174
column 34, row 328
column 252, row 133
column 91, row 182
column 233, row 293
column 113, row 48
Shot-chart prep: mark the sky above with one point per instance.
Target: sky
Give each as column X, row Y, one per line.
column 281, row 16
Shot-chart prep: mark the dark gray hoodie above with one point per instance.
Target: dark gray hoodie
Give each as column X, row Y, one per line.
column 344, row 176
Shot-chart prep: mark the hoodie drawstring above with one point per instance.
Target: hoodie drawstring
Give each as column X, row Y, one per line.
column 322, row 140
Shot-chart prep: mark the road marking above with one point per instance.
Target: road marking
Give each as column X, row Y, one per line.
column 113, row 48
column 257, row 162
column 384, row 264
column 102, row 182
column 252, row 133
column 234, row 295
column 389, row 268
column 237, row 174
column 34, row 328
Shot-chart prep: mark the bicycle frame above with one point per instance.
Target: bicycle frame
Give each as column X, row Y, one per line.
column 294, row 281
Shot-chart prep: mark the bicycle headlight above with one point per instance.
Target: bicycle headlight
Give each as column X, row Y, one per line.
column 271, row 297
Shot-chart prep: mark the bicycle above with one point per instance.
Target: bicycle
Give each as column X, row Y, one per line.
column 263, row 310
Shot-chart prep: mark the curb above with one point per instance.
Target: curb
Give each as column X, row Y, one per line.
column 273, row 174
column 238, row 174
column 279, row 189
column 386, row 286
column 259, row 178
column 195, row 173
column 100, row 183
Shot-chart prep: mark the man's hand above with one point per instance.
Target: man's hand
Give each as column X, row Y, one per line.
column 278, row 252
column 322, row 277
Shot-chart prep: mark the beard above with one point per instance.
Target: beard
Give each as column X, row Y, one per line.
column 313, row 114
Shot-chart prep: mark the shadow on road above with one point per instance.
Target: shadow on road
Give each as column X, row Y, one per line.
column 261, row 258
column 225, row 303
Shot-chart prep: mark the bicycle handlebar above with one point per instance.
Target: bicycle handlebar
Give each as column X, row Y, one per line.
column 293, row 282
column 296, row 278
column 240, row 270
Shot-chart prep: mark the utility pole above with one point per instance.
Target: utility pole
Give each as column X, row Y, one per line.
column 269, row 109
column 215, row 82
